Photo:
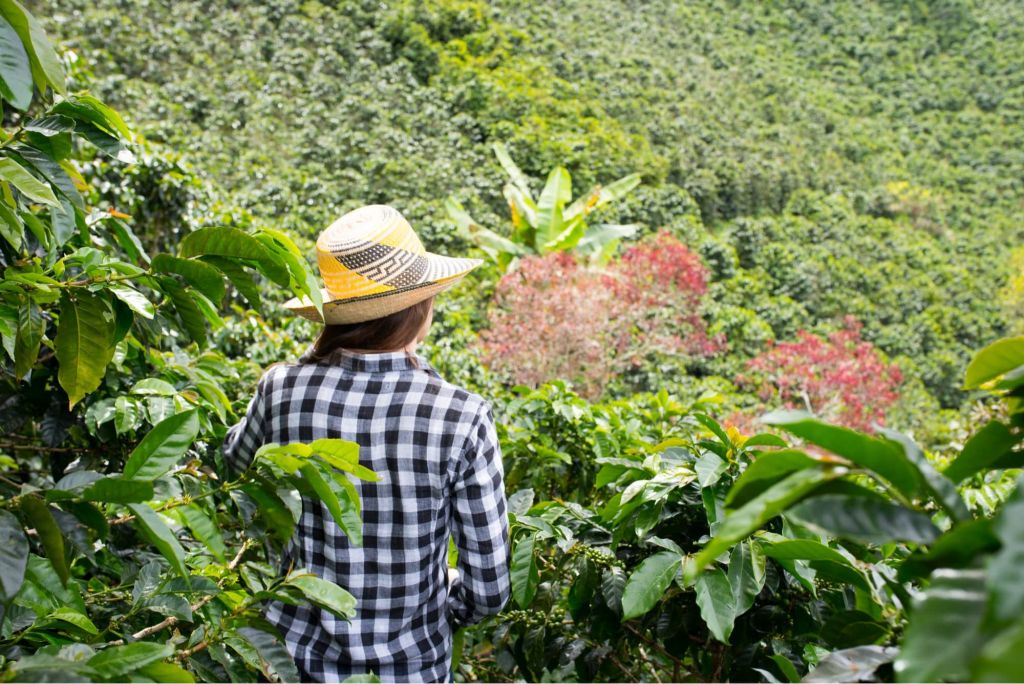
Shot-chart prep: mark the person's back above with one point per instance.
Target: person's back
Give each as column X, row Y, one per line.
column 432, row 444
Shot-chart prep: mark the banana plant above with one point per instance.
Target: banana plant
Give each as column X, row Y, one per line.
column 552, row 222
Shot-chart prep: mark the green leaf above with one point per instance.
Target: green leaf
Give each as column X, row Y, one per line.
column 603, row 194
column 940, row 488
column 344, row 455
column 740, row 523
column 115, row 489
column 272, row 509
column 85, row 343
column 233, row 244
column 166, row 672
column 957, row 548
column 192, row 318
column 767, row 469
column 877, row 455
column 51, row 171
column 50, row 537
column 717, row 603
column 50, row 125
column 204, row 529
column 13, row 555
column 994, row 361
column 556, row 193
column 30, row 186
column 241, row 280
column 786, row 667
column 15, row 69
column 116, row 661
column 340, row 510
column 73, row 617
column 88, row 109
column 866, row 520
column 525, row 575
column 943, row 635
column 198, row 274
column 1006, row 568
column 154, row 386
column 648, row 583
column 46, row 66
column 30, row 334
column 613, row 584
column 323, row 593
column 272, row 651
column 1000, row 660
column 11, row 227
column 746, row 574
column 982, row 450
column 160, row 536
column 518, row 178
column 570, row 235
column 162, row 446
column 853, row 628
column 135, row 300
column 710, row 468
column 851, row 665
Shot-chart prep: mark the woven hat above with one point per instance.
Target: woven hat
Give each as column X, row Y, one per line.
column 373, row 264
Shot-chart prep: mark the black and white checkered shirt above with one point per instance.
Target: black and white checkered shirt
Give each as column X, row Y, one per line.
column 435, row 448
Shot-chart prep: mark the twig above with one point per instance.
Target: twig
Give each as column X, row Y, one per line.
column 44, row 449
column 654, row 644
column 172, row 620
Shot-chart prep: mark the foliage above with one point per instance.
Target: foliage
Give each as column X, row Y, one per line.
column 697, row 553
column 552, row 222
column 843, row 379
column 555, row 318
column 129, row 551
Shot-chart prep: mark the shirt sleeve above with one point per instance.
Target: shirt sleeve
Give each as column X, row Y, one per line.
column 480, row 528
column 245, row 437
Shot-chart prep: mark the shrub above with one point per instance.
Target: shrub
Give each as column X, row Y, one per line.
column 553, row 318
column 843, row 378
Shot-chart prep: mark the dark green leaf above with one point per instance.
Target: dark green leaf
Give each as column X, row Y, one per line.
column 85, row 343
column 15, row 70
column 13, row 554
column 52, row 172
column 30, row 333
column 115, row 489
column 273, row 653
column 162, row 446
column 613, row 584
column 340, row 510
column 46, row 66
column 943, row 636
column 648, row 583
column 982, row 450
column 853, row 628
column 716, row 602
column 52, row 541
column 1006, row 569
column 957, row 548
column 160, row 536
column 88, row 109
column 242, row 281
column 877, row 455
column 1000, row 660
column 273, row 511
column 866, row 520
column 746, row 574
column 116, row 661
column 50, row 125
column 198, row 274
column 940, row 488
column 524, row 571
column 11, row 227
column 204, row 529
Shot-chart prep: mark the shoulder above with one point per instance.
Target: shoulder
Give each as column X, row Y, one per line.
column 471, row 404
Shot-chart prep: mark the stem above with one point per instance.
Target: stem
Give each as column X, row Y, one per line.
column 677, row 663
column 171, row 621
column 182, row 501
column 43, row 449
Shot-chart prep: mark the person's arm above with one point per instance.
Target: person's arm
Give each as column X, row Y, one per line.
column 245, row 437
column 480, row 528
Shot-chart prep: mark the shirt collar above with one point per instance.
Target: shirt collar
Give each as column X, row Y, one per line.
column 374, row 362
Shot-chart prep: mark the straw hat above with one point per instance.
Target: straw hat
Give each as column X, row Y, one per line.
column 373, row 264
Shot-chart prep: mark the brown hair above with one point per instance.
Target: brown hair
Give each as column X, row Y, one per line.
column 390, row 333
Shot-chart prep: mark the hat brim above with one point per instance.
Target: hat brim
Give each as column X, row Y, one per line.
column 370, row 307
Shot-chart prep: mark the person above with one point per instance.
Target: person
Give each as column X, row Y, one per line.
column 433, row 445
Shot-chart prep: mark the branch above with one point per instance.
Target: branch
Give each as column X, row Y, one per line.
column 171, row 621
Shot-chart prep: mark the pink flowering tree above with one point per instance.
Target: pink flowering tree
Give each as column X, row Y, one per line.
column 843, row 378
column 553, row 317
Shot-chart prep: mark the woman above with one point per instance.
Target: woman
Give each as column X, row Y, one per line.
column 432, row 444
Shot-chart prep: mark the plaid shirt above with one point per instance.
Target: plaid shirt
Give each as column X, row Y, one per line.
column 435, row 448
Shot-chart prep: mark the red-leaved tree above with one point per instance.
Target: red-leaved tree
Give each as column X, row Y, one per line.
column 843, row 379
column 553, row 317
